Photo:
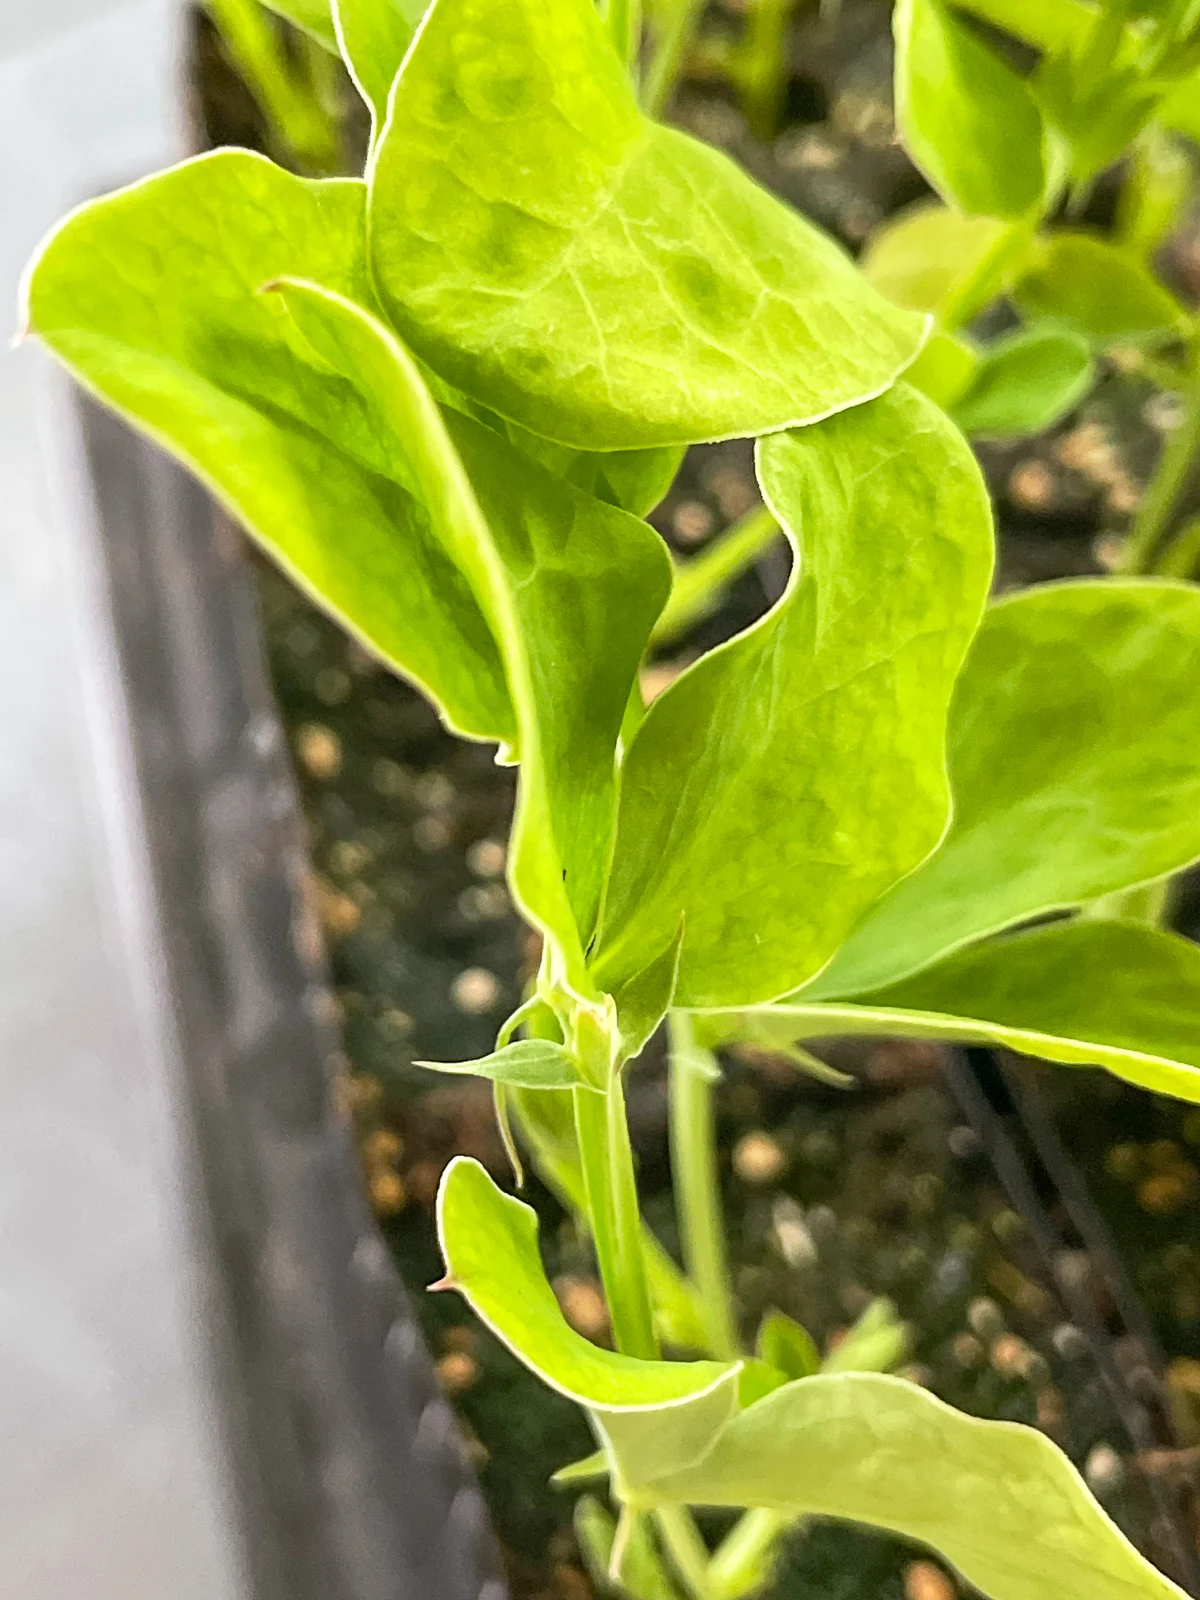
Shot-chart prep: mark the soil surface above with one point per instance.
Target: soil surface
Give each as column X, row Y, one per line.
column 833, row 1197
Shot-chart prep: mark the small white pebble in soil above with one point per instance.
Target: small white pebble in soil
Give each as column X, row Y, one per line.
column 332, row 686
column 1104, row 1469
column 1165, row 411
column 395, row 1024
column 582, row 1305
column 1069, row 1341
column 1031, row 484
column 809, row 152
column 985, row 1317
column 432, row 833
column 758, row 1159
column 963, row 1142
column 390, row 779
column 792, row 1238
column 1108, row 550
column 484, row 902
column 475, row 991
column 320, row 750
column 692, row 522
column 434, row 791
column 925, row 1581
column 457, row 1372
column 486, row 858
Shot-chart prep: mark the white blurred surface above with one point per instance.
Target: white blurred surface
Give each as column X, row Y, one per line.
column 110, row 1473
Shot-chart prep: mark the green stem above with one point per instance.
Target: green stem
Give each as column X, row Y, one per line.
column 1170, row 476
column 700, row 582
column 296, row 118
column 742, row 1561
column 761, row 64
column 611, row 1192
column 1149, row 903
column 625, row 31
column 670, row 53
column 986, row 279
column 687, row 1550
column 697, row 1183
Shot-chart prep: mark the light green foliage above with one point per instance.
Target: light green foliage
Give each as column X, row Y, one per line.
column 174, row 332
column 570, row 589
column 518, row 189
column 654, row 1415
column 998, row 1501
column 642, row 1576
column 745, row 803
column 1156, row 191
column 1086, row 993
column 1100, row 290
column 1074, row 766
column 310, row 16
column 944, row 370
column 968, row 121
column 642, row 1002
column 1050, row 25
column 1025, row 382
column 375, row 34
column 528, row 1064
column 786, row 1346
column 929, row 257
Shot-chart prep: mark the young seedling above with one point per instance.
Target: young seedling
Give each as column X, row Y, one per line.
column 443, row 397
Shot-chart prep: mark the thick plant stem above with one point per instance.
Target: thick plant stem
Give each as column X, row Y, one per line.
column 697, row 1185
column 611, row 1193
column 670, row 53
column 1154, row 514
column 699, row 583
column 687, row 1550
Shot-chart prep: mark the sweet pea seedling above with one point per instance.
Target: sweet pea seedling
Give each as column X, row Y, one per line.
column 443, row 397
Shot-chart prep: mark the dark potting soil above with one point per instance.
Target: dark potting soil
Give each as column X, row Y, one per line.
column 833, row 1197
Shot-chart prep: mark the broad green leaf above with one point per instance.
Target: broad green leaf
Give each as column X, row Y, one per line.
column 788, row 1347
column 1025, row 382
column 1074, row 765
column 999, row 1501
column 929, row 257
column 635, row 480
column 653, row 1415
column 967, row 120
column 944, row 370
column 152, row 297
column 746, row 805
column 877, row 1342
column 570, row 588
column 1100, row 290
column 1056, row 26
column 374, row 37
column 527, row 1064
column 1121, row 996
column 310, row 16
column 602, row 280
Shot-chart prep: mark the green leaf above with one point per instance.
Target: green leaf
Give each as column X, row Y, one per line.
column 310, row 16
column 1055, row 26
column 570, row 588
column 928, row 257
column 635, row 480
column 588, row 1469
column 788, row 1347
column 375, row 36
column 1121, row 996
column 1074, row 766
column 602, row 280
column 527, row 1064
column 643, row 1001
column 944, row 370
column 1026, row 382
column 1153, row 196
column 967, row 120
column 1181, row 108
column 152, row 297
column 653, row 1415
column 746, row 805
column 877, row 1342
column 1100, row 290
column 999, row 1501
